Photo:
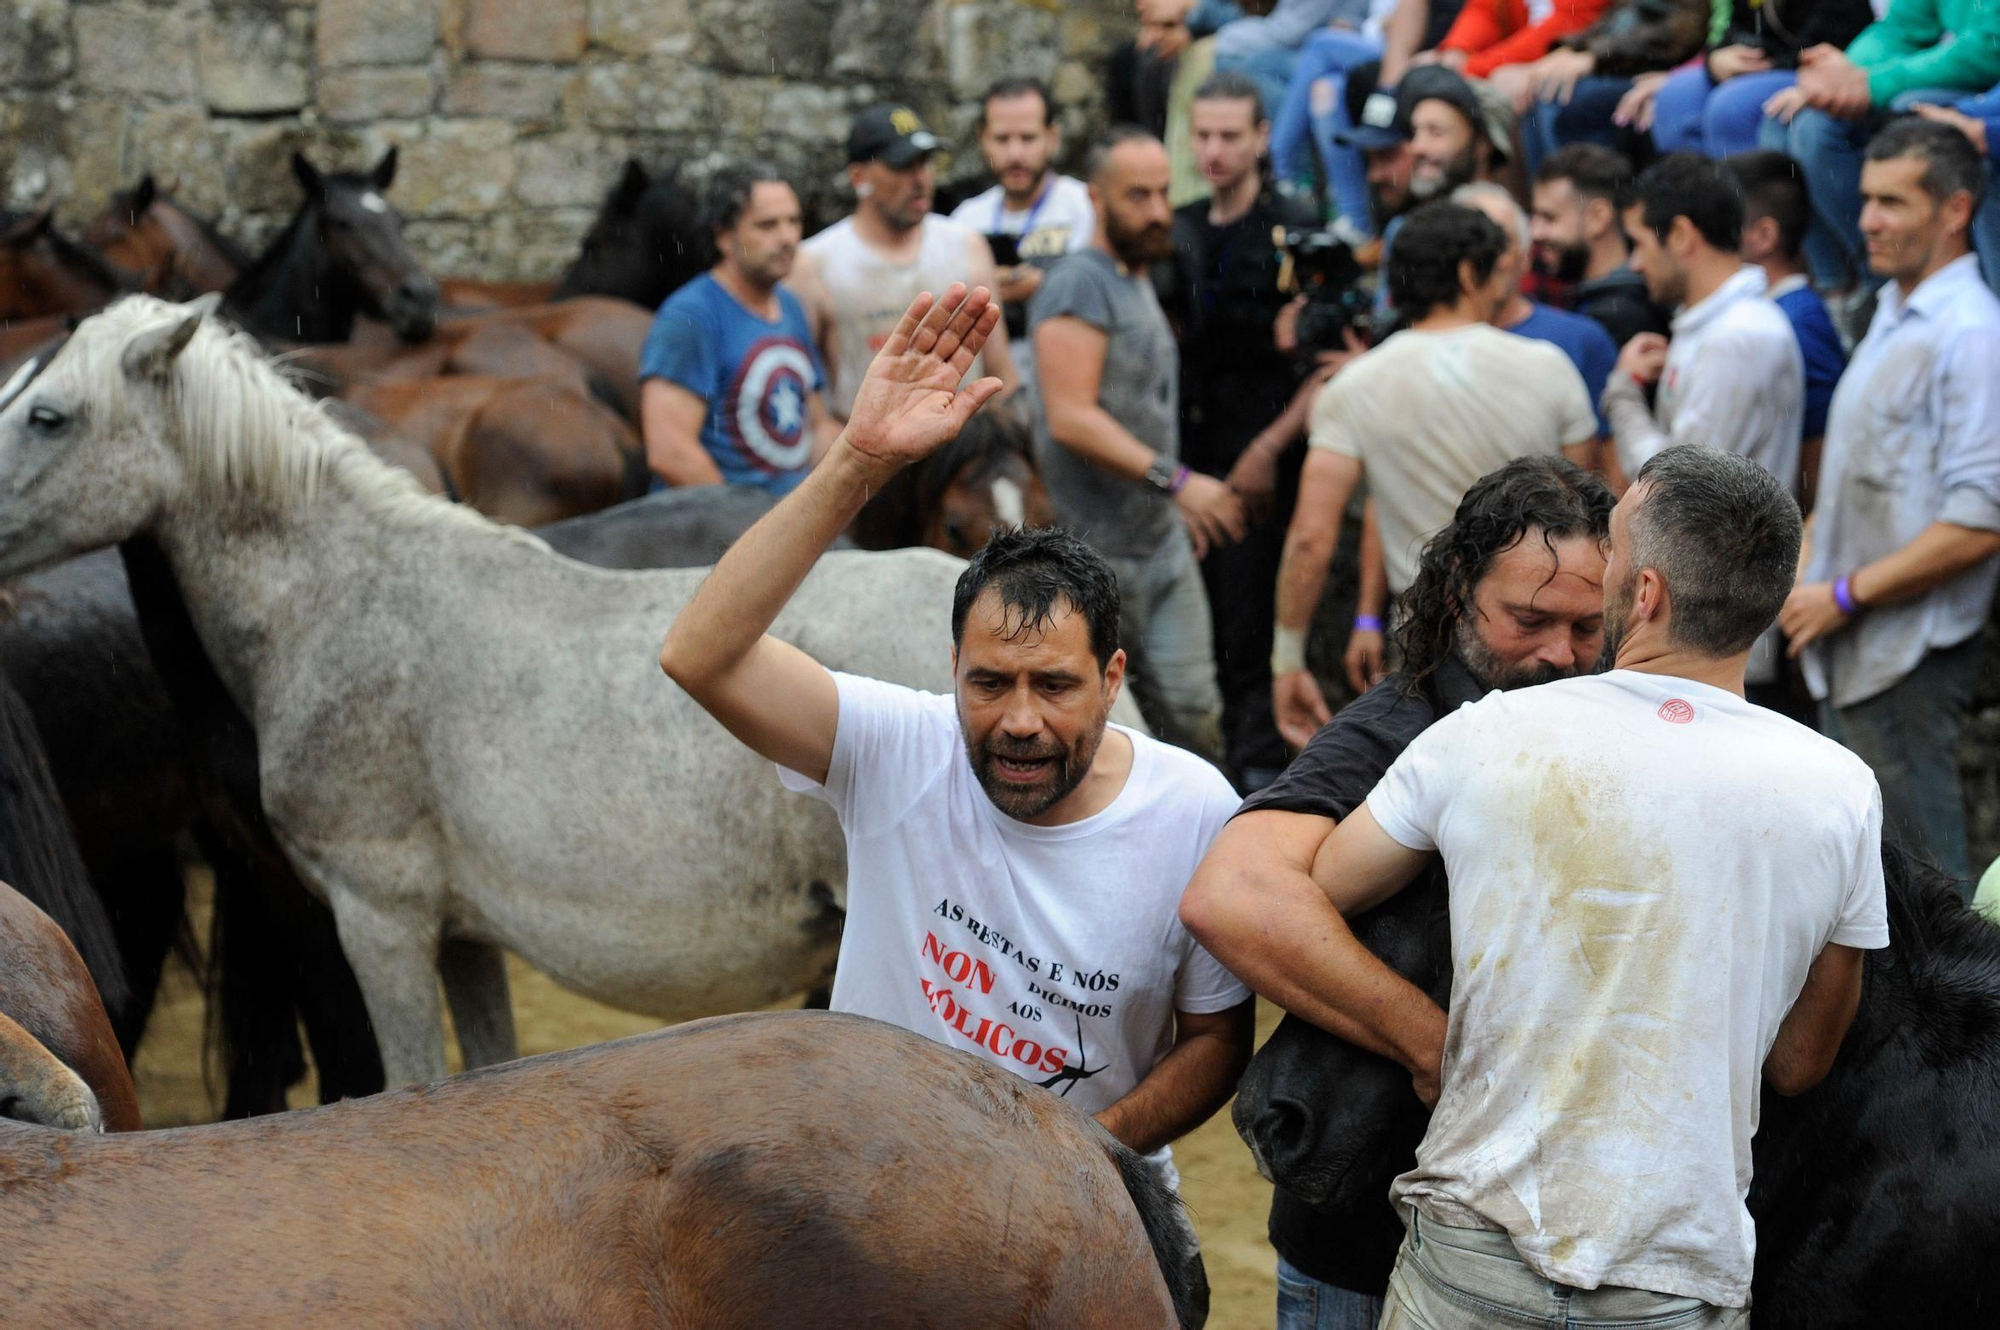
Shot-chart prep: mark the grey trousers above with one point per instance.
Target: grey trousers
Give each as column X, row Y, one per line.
column 1169, row 646
column 1471, row 1279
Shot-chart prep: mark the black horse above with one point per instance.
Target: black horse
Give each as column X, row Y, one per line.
column 342, row 254
column 1876, row 1194
column 645, row 243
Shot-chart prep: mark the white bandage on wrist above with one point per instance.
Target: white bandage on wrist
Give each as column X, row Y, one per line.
column 1288, row 650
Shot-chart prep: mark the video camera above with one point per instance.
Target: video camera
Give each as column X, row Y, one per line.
column 1322, row 267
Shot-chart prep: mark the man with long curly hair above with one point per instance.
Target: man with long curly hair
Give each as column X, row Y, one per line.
column 1511, row 593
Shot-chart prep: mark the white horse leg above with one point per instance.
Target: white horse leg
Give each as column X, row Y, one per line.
column 395, row 957
column 475, row 984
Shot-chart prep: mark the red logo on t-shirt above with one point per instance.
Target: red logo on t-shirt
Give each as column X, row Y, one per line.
column 1676, row 712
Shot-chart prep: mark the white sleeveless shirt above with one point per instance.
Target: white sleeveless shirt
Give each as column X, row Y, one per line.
column 869, row 293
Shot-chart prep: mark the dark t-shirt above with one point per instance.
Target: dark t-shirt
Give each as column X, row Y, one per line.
column 1618, row 300
column 1331, row 777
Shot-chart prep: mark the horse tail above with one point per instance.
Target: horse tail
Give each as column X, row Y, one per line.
column 1164, row 1217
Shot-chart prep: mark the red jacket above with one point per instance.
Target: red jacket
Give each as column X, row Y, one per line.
column 1497, row 32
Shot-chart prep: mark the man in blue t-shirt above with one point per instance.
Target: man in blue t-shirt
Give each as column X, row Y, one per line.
column 730, row 379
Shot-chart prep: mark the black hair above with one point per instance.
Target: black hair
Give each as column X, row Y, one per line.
column 1951, row 164
column 1774, row 186
column 1109, row 142
column 1433, row 242
column 1724, row 535
column 1550, row 495
column 1232, row 85
column 1594, row 172
column 1031, row 570
column 727, row 195
column 1684, row 184
column 1018, row 86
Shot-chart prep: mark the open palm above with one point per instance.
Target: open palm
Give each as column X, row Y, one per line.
column 909, row 403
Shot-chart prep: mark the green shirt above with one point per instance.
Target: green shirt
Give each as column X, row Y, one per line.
column 1930, row 44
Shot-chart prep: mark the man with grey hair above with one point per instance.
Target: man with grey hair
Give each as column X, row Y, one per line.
column 1660, row 895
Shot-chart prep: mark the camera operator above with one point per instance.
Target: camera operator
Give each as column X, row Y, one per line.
column 1221, row 290
column 1425, row 414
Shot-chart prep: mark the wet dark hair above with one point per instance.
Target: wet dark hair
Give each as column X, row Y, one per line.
column 1774, row 186
column 1018, row 86
column 1434, row 240
column 1550, row 495
column 1951, row 164
column 727, row 195
column 1723, row 534
column 1232, row 85
column 1032, row 571
column 1684, row 184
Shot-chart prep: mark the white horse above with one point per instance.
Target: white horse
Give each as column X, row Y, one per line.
column 465, row 740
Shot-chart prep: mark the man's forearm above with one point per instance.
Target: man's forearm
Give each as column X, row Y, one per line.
column 1302, row 571
column 679, row 462
column 1184, row 1089
column 1095, row 435
column 741, row 597
column 1635, row 434
column 1940, row 552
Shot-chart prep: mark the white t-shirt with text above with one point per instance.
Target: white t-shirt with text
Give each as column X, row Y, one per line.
column 1055, row 952
column 1642, row 869
column 1060, row 222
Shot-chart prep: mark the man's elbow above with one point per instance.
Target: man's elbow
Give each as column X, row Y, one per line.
column 1213, row 910
column 1796, row 1075
column 682, row 666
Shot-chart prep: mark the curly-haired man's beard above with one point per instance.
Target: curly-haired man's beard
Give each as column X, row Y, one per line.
column 1493, row 672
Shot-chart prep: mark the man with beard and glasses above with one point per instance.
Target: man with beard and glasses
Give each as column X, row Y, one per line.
column 1014, row 861
column 1580, row 246
column 1510, row 594
column 730, row 334
column 1107, row 438
column 857, row 276
column 1660, row 897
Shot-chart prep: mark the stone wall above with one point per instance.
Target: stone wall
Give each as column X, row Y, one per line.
column 511, row 116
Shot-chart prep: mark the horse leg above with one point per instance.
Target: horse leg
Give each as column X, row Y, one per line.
column 394, row 953
column 475, row 984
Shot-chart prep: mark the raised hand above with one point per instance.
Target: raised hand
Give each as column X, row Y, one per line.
column 910, row 403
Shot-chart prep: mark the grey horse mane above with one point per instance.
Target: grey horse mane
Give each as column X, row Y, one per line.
column 245, row 430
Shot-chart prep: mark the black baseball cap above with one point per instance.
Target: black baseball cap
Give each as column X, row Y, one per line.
column 1374, row 117
column 1382, row 119
column 891, row 134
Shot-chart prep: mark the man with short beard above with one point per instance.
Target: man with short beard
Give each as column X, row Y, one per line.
column 857, row 276
column 1580, row 244
column 1510, row 594
column 1014, row 861
column 1108, row 437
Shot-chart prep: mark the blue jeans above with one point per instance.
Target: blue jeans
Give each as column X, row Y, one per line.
column 1306, row 1304
column 1164, row 625
column 1585, row 118
column 1325, row 60
column 1693, row 113
column 1909, row 737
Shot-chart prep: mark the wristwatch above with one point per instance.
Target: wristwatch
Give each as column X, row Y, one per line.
column 1164, row 474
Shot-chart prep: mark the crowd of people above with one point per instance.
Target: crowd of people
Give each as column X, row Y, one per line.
column 1671, row 583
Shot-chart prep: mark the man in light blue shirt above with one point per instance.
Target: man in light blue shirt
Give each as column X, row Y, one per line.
column 1904, row 550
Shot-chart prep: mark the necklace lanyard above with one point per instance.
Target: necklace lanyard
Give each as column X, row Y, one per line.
column 1027, row 225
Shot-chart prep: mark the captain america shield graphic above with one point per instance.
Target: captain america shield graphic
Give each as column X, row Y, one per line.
column 767, row 405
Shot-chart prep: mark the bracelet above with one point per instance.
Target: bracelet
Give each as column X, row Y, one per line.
column 1180, row 480
column 1288, row 650
column 1367, row 623
column 1843, row 596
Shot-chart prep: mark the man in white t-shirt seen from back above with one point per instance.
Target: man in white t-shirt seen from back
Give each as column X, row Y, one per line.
column 1015, row 863
column 1423, row 416
column 858, row 276
column 1660, row 895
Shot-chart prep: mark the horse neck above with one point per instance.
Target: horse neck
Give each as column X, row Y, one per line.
column 292, row 291
column 199, row 257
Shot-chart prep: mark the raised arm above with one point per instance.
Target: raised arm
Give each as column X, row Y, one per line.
column 769, row 694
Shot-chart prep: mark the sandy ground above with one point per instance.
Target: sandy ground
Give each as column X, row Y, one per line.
column 1228, row 1200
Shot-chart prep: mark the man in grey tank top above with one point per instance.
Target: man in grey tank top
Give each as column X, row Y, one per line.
column 1107, row 437
column 858, row 276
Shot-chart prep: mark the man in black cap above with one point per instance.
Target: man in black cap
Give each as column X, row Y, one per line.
column 858, row 276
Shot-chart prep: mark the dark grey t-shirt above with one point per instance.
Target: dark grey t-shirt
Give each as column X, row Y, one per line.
column 1141, row 390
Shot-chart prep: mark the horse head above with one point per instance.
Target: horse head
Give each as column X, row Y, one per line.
column 361, row 237
column 1327, row 1121
column 646, row 241
column 42, row 272
column 171, row 252
column 36, row 1087
column 981, row 483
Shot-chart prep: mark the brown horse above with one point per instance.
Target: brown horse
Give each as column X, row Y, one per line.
column 46, row 994
column 470, row 294
column 800, row 1169
column 983, row 481
column 168, row 250
column 43, row 272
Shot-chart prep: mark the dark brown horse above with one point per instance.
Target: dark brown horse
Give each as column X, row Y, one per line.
column 47, row 992
column 43, row 272
column 799, row 1169
column 956, row 499
column 168, row 250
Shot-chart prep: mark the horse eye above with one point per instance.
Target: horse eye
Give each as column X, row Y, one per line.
column 46, row 417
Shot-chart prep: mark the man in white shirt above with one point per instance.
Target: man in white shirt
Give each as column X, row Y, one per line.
column 1423, row 415
column 1014, row 862
column 1660, row 894
column 857, row 276
column 1903, row 554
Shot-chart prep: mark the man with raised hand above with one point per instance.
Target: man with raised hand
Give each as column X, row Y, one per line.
column 1014, row 861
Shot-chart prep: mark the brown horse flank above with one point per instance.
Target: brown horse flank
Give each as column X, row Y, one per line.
column 46, row 993
column 168, row 250
column 795, row 1169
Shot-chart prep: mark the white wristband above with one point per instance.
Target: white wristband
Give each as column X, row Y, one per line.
column 1288, row 650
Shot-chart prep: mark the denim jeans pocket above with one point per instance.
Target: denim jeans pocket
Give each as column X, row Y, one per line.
column 1298, row 1303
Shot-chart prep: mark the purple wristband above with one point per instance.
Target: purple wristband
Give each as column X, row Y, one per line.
column 1180, row 480
column 1367, row 623
column 1843, row 596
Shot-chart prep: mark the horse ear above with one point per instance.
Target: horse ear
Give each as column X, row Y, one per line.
column 308, row 176
column 143, row 194
column 631, row 184
column 152, row 353
column 384, row 174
